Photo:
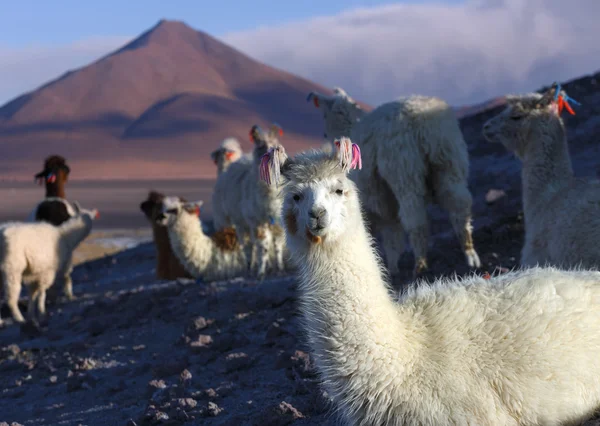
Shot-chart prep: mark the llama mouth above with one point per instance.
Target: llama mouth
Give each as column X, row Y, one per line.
column 315, row 239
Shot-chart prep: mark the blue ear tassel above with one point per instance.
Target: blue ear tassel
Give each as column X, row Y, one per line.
column 565, row 96
column 308, row 97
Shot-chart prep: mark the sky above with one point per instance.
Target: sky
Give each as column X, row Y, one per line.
column 463, row 51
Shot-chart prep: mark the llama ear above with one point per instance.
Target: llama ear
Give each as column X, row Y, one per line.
column 254, row 133
column 319, row 100
column 271, row 163
column 275, row 130
column 146, row 207
column 229, row 155
column 193, row 207
column 549, row 96
column 348, row 154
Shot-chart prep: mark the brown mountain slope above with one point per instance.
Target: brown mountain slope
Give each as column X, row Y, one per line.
column 154, row 108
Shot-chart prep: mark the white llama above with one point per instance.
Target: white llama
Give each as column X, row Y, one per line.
column 210, row 258
column 518, row 349
column 562, row 212
column 413, row 153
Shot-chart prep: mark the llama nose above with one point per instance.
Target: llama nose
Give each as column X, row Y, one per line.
column 486, row 126
column 317, row 212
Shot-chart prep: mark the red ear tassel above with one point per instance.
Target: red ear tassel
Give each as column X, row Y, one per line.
column 229, row 155
column 316, row 101
column 97, row 214
column 51, row 178
column 197, row 210
column 487, row 276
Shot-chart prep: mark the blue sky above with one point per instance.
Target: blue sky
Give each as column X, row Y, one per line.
column 62, row 21
column 463, row 51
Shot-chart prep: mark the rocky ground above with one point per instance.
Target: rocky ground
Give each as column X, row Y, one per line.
column 132, row 350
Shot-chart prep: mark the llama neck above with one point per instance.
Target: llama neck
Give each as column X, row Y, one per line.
column 163, row 250
column 56, row 189
column 546, row 168
column 75, row 230
column 188, row 242
column 351, row 319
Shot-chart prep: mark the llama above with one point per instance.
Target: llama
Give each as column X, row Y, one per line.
column 229, row 151
column 262, row 206
column 36, row 253
column 516, row 349
column 168, row 266
column 54, row 208
column 210, row 258
column 561, row 212
column 234, row 202
column 413, row 153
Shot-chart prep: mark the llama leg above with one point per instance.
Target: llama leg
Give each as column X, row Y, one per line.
column 12, row 291
column 263, row 237
column 278, row 244
column 456, row 199
column 393, row 236
column 68, row 282
column 413, row 216
column 33, row 300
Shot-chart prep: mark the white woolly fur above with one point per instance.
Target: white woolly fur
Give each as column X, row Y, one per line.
column 562, row 212
column 36, row 253
column 413, row 153
column 197, row 252
column 518, row 349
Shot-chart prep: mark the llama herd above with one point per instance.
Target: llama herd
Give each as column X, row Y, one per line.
column 520, row 348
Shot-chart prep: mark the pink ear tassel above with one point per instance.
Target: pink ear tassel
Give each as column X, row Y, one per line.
column 349, row 154
column 356, row 157
column 263, row 170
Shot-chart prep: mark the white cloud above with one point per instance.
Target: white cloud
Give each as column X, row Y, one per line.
column 465, row 53
column 24, row 69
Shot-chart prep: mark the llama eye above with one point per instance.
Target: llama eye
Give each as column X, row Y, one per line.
column 296, row 197
column 171, row 211
column 339, row 192
column 516, row 117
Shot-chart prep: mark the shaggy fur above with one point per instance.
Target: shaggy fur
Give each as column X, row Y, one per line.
column 518, row 349
column 37, row 253
column 413, row 153
column 261, row 205
column 562, row 212
column 243, row 202
column 168, row 266
column 200, row 255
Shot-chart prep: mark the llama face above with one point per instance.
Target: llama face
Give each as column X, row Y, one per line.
column 317, row 210
column 340, row 112
column 522, row 120
column 173, row 207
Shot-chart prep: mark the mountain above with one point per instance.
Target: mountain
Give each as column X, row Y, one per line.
column 153, row 109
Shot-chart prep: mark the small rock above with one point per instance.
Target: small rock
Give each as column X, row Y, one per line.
column 187, row 403
column 213, row 409
column 303, row 364
column 139, row 347
column 169, row 368
column 237, row 361
column 283, row 414
column 210, row 393
column 53, row 379
column 12, row 349
column 202, row 341
column 197, row 324
column 494, row 195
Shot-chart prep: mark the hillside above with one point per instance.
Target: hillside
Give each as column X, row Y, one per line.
column 167, row 97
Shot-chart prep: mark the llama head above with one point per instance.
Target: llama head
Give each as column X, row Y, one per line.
column 174, row 207
column 320, row 202
column 262, row 140
column 525, row 116
column 55, row 171
column 229, row 151
column 153, row 205
column 340, row 112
